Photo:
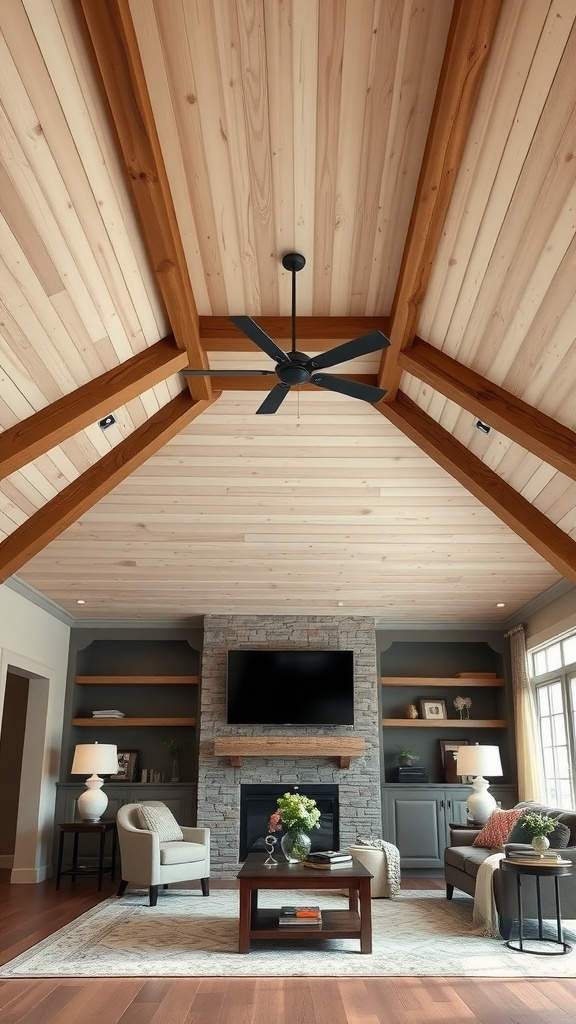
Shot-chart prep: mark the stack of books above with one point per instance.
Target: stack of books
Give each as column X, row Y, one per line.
column 299, row 916
column 532, row 857
column 108, row 714
column 327, row 859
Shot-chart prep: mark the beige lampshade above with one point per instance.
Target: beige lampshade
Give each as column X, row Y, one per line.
column 478, row 760
column 95, row 759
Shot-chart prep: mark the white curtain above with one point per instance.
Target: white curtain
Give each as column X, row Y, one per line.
column 527, row 746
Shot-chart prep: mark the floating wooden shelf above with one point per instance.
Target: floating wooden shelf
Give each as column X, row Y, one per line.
column 432, row 681
column 115, row 723
column 343, row 748
column 445, row 723
column 136, row 680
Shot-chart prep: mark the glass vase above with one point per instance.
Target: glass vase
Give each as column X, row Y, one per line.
column 540, row 843
column 295, row 846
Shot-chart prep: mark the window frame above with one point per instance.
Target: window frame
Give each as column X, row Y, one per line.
column 565, row 676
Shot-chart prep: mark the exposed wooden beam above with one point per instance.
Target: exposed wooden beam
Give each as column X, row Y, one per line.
column 113, row 37
column 538, row 433
column 265, row 383
column 471, row 32
column 33, row 437
column 314, row 333
column 542, row 535
column 60, row 512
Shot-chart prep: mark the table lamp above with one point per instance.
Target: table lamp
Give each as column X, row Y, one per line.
column 90, row 759
column 478, row 761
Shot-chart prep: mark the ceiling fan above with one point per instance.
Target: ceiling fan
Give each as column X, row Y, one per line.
column 293, row 368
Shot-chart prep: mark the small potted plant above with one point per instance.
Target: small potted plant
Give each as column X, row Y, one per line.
column 539, row 826
column 406, row 756
column 175, row 748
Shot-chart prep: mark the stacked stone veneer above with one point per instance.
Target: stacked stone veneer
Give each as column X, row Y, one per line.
column 219, row 783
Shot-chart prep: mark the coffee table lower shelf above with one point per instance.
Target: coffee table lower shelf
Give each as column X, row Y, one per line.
column 336, row 924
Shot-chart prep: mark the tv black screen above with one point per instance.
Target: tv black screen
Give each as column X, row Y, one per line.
column 290, row 688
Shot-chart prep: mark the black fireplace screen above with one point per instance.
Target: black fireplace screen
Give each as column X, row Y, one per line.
column 257, row 803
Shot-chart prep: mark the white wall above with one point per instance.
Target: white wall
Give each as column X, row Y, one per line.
column 554, row 619
column 35, row 644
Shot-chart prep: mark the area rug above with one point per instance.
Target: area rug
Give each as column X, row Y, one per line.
column 417, row 933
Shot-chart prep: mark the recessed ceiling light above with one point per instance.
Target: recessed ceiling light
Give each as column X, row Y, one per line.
column 340, row 604
column 80, row 601
column 500, row 604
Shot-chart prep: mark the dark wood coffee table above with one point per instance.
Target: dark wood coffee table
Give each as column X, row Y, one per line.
column 260, row 923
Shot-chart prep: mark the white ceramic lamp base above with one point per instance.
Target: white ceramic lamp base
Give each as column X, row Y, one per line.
column 92, row 802
column 480, row 803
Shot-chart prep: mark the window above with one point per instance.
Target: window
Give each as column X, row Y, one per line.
column 553, row 672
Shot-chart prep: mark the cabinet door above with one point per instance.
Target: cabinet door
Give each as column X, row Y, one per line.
column 416, row 825
column 179, row 801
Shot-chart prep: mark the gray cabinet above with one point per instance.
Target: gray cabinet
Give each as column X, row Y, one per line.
column 417, row 819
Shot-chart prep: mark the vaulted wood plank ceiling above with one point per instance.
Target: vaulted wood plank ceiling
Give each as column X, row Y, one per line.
column 159, row 157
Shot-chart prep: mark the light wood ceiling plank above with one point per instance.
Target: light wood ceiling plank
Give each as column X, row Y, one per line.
column 471, row 33
column 112, row 34
column 514, row 510
column 66, row 507
column 530, row 428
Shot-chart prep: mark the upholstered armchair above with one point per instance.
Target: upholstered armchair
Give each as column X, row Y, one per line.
column 155, row 850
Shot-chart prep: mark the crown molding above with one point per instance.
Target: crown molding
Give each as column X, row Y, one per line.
column 38, row 599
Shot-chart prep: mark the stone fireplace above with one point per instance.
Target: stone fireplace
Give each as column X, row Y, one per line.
column 220, row 778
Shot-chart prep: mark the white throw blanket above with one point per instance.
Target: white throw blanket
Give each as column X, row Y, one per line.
column 391, row 885
column 485, row 915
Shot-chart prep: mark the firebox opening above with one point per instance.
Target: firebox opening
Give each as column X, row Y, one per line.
column 258, row 802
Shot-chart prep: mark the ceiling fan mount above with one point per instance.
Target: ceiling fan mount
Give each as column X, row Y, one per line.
column 295, row 368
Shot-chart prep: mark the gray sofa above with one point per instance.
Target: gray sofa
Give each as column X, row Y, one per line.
column 462, row 860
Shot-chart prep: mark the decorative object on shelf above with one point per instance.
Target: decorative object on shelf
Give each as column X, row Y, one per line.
column 478, row 761
column 92, row 759
column 463, row 705
column 270, row 843
column 539, row 826
column 430, row 709
column 175, row 748
column 411, row 711
column 127, row 766
column 297, row 815
column 406, row 756
column 448, row 754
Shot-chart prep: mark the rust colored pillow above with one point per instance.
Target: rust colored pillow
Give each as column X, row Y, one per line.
column 497, row 829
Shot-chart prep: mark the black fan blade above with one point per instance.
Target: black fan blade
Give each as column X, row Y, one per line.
column 227, row 373
column 350, row 350
column 352, row 388
column 260, row 338
column 274, row 399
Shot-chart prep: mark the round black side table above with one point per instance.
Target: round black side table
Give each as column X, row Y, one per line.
column 539, row 870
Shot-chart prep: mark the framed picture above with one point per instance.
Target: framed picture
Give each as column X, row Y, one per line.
column 433, row 709
column 448, row 753
column 127, row 766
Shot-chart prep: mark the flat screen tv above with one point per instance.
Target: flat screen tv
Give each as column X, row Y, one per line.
column 290, row 688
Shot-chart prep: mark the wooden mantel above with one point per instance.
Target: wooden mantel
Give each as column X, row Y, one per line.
column 343, row 748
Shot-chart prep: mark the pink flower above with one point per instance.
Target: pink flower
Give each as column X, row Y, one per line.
column 274, row 823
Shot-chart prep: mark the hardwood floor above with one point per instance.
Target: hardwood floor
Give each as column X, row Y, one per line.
column 28, row 913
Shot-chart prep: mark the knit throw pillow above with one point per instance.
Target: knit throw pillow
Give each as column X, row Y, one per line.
column 162, row 821
column 497, row 829
column 558, row 839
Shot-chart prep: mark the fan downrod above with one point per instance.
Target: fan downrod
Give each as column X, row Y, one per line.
column 293, row 261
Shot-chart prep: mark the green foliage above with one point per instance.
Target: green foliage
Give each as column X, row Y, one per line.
column 295, row 813
column 175, row 748
column 538, row 824
column 406, row 752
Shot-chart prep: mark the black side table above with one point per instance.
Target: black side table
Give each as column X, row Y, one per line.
column 100, row 828
column 539, row 870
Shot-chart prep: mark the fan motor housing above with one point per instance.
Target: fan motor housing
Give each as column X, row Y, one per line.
column 294, row 372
